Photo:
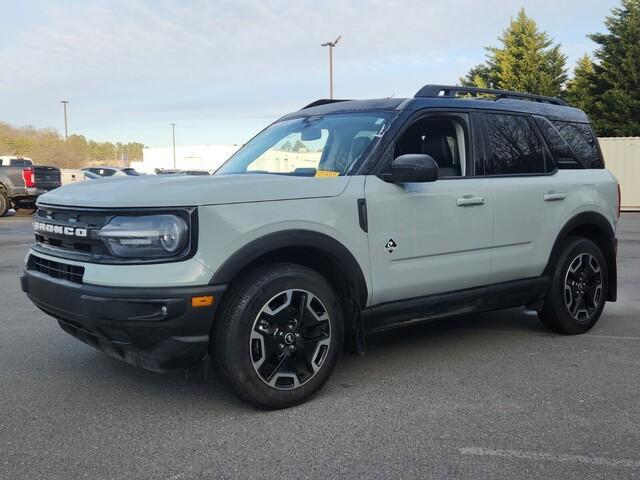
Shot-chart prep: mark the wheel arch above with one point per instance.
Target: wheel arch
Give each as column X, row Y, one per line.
column 315, row 250
column 595, row 227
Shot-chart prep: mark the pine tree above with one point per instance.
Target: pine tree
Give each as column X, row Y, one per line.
column 526, row 61
column 580, row 88
column 616, row 111
column 478, row 76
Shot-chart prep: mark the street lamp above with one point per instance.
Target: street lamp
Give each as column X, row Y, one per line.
column 331, row 46
column 66, row 130
column 173, row 131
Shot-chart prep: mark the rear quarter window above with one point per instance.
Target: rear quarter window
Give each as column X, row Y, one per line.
column 562, row 153
column 583, row 142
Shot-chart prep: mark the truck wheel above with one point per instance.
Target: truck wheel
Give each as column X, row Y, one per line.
column 279, row 335
column 577, row 292
column 4, row 203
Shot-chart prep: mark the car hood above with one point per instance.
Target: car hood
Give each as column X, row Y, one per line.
column 171, row 191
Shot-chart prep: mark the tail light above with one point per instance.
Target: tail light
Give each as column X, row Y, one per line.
column 29, row 177
column 619, row 203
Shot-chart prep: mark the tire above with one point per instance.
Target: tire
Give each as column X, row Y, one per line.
column 4, row 203
column 577, row 292
column 269, row 349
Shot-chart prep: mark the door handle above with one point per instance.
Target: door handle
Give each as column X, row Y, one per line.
column 554, row 196
column 468, row 201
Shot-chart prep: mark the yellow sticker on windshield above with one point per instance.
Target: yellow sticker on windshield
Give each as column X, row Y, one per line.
column 326, row 173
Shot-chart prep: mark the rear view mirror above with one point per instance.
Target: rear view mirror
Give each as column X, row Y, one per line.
column 412, row 167
column 311, row 133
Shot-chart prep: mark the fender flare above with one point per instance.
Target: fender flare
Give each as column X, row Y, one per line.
column 600, row 222
column 295, row 238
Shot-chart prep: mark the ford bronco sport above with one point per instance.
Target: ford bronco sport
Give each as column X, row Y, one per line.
column 340, row 219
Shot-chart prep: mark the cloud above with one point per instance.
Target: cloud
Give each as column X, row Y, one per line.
column 192, row 59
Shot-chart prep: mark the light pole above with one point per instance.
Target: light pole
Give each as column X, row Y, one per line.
column 173, row 131
column 331, row 46
column 66, row 130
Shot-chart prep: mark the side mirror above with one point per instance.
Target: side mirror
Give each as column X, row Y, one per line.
column 413, row 167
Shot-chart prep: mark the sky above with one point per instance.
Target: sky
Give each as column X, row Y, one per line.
column 222, row 70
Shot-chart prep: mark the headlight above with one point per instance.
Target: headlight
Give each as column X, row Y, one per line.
column 152, row 236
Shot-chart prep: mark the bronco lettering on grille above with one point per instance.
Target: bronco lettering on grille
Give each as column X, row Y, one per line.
column 59, row 229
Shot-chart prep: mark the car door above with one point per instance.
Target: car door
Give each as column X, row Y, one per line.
column 526, row 193
column 430, row 238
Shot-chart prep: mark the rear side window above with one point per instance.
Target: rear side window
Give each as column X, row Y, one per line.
column 21, row 162
column 560, row 149
column 514, row 145
column 582, row 140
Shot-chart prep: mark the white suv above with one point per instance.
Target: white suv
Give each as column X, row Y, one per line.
column 340, row 219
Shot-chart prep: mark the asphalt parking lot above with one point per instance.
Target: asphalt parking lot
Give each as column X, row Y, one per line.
column 484, row 396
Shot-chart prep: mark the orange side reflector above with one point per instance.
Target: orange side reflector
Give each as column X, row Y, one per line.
column 204, row 301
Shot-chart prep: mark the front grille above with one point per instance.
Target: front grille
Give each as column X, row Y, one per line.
column 72, row 233
column 90, row 246
column 89, row 219
column 63, row 271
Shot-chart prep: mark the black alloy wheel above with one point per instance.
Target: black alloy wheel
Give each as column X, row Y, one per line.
column 290, row 339
column 583, row 286
column 578, row 285
column 278, row 335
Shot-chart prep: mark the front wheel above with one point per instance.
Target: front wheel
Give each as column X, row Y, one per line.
column 279, row 335
column 578, row 288
column 4, row 203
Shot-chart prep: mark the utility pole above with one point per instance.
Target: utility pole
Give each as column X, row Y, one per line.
column 66, row 130
column 331, row 46
column 173, row 131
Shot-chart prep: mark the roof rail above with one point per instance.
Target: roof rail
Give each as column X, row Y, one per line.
column 432, row 91
column 324, row 101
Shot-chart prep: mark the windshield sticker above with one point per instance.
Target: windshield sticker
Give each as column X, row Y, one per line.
column 326, row 173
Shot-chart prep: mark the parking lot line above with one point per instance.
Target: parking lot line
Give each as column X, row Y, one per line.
column 547, row 334
column 612, row 337
column 543, row 456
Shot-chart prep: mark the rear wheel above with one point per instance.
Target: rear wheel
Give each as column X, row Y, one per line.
column 577, row 292
column 279, row 335
column 4, row 203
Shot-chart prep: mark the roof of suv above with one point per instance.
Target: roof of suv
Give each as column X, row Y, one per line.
column 503, row 100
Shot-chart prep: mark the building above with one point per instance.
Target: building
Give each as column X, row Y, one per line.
column 622, row 158
column 191, row 157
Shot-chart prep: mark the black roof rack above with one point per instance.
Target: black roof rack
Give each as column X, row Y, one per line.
column 433, row 91
column 324, row 101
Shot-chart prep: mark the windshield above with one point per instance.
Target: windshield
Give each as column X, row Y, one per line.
column 323, row 145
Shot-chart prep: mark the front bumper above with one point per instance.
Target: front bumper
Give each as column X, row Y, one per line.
column 154, row 328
